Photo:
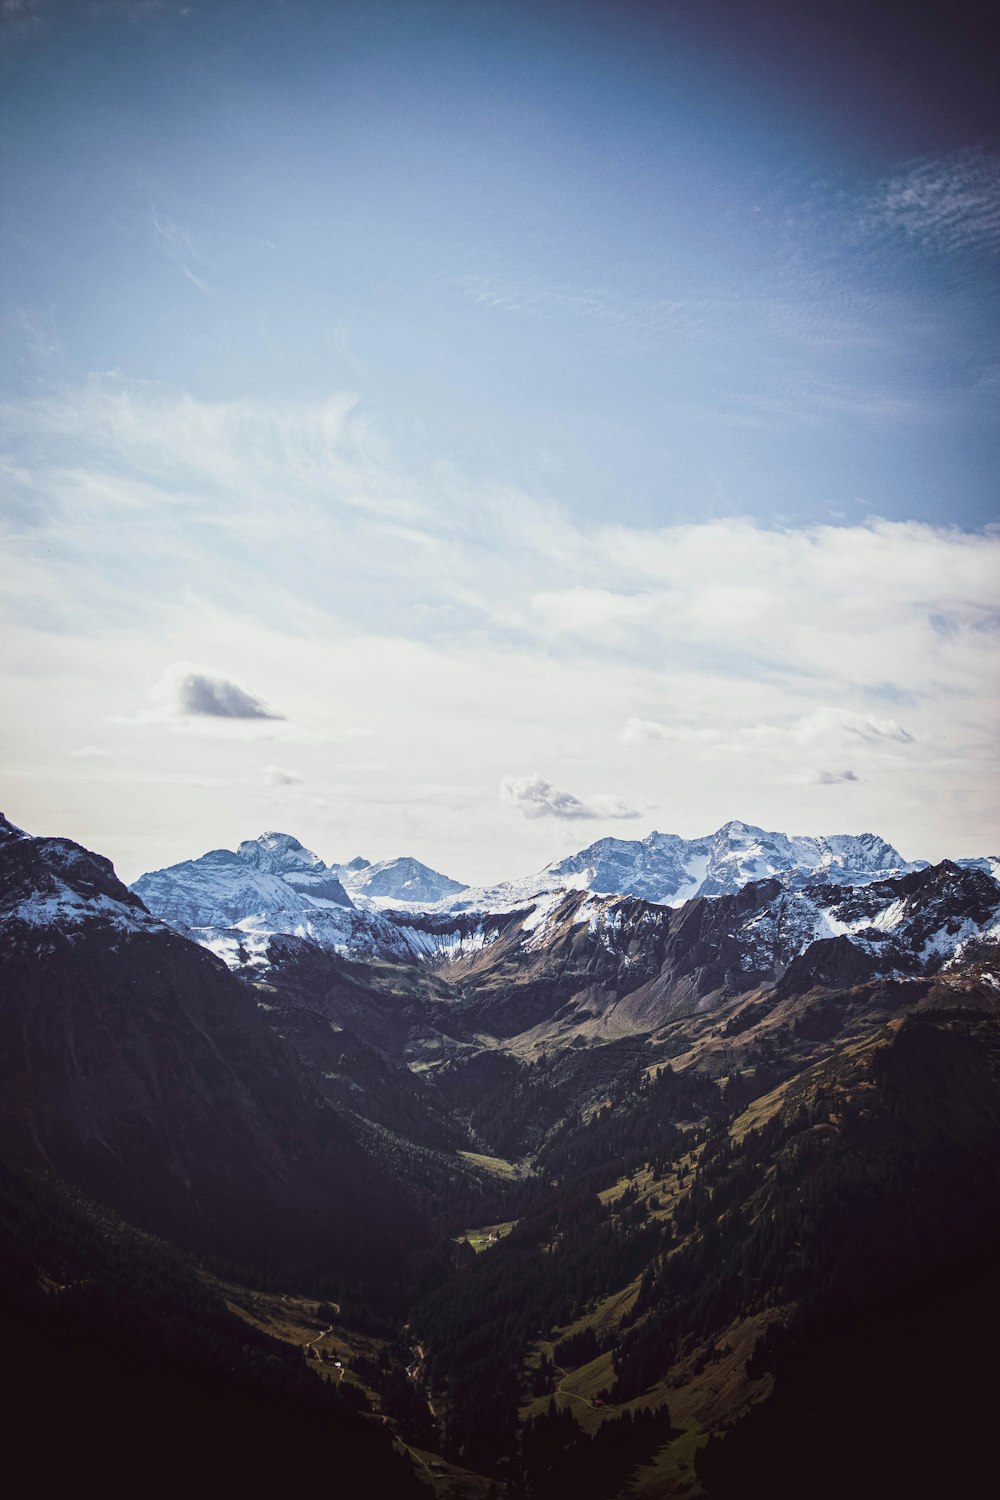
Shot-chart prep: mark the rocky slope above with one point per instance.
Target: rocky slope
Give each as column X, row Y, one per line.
column 137, row 1066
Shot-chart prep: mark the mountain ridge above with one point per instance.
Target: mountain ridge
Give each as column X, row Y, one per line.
column 697, row 1138
column 235, row 903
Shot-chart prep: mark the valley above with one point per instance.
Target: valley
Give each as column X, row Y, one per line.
column 575, row 1192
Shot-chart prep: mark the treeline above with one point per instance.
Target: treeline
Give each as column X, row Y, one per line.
column 558, row 1458
column 476, row 1327
column 814, row 1215
column 640, row 1125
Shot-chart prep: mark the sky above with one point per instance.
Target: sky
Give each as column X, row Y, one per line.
column 468, row 430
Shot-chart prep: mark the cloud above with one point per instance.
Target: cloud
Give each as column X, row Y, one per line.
column 186, row 690
column 649, row 732
column 277, row 776
column 534, row 797
column 866, row 727
column 474, row 627
column 947, row 203
column 825, row 727
column 175, row 243
column 822, row 728
column 591, row 612
column 90, row 752
column 832, row 778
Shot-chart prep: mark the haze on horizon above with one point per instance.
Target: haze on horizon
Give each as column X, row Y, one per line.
column 468, row 430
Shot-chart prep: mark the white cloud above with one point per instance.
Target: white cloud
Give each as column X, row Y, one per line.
column 824, row 728
column 278, row 776
column 832, row 778
column 90, row 752
column 595, row 613
column 468, row 629
column 649, row 732
column 534, row 797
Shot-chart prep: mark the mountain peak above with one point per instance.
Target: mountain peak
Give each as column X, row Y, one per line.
column 404, row 880
column 737, row 827
column 10, row 831
column 273, row 851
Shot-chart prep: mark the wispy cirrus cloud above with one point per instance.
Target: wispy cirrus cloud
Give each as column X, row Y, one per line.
column 796, row 751
column 175, row 243
column 704, row 317
column 823, row 730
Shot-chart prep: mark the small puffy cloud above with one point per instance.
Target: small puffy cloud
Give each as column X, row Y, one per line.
column 832, row 778
column 534, row 797
column 185, row 690
column 90, row 752
column 278, row 776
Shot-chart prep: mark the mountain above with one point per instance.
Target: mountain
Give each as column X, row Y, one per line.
column 669, row 870
column 700, row 1245
column 282, row 855
column 398, row 882
column 272, row 874
column 609, row 965
column 234, row 903
column 137, row 1066
column 143, row 1364
column 624, row 1181
column 580, row 968
column 401, row 910
column 389, row 882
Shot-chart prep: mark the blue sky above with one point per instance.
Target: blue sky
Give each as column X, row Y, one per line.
column 599, row 396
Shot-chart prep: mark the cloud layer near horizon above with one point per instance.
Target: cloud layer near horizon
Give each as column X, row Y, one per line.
column 463, row 634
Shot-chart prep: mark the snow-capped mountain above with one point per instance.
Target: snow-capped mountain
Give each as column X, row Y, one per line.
column 402, row 882
column 235, row 902
column 398, row 882
column 799, row 891
column 918, row 923
column 670, row 870
column 282, row 855
column 52, row 884
column 581, row 967
column 624, row 953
